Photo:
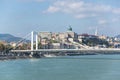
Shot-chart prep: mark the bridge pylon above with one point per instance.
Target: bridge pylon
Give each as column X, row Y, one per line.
column 32, row 41
column 36, row 41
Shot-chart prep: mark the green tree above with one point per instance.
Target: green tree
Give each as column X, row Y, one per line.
column 39, row 45
column 2, row 47
column 95, row 41
column 53, row 41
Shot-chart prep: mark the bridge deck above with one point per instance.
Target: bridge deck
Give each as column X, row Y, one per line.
column 70, row 50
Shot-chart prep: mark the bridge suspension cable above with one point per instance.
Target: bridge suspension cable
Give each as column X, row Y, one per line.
column 22, row 40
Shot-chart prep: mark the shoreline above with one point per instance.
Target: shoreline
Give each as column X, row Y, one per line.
column 38, row 56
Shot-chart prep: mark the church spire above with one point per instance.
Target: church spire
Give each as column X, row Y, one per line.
column 96, row 32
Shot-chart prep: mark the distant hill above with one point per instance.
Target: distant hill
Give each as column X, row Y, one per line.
column 9, row 38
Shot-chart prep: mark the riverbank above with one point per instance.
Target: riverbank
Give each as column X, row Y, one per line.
column 11, row 56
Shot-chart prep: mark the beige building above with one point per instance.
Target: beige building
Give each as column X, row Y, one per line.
column 69, row 35
column 4, row 42
column 63, row 37
column 55, row 36
column 102, row 37
column 44, row 35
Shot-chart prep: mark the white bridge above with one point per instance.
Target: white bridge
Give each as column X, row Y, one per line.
column 84, row 49
column 71, row 50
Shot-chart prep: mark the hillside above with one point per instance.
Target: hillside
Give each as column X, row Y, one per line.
column 9, row 38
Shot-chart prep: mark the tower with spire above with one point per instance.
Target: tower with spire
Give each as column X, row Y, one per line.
column 96, row 32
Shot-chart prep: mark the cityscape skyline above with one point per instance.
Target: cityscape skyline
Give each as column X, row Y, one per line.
column 19, row 17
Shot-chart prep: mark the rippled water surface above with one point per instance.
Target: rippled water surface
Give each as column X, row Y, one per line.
column 88, row 67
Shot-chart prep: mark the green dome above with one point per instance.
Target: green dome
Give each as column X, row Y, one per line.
column 70, row 28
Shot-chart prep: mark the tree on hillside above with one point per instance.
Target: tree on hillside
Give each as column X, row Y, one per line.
column 95, row 42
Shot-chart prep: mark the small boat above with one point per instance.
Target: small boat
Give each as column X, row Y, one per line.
column 49, row 55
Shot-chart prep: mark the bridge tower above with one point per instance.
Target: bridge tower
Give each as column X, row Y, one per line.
column 32, row 40
column 32, row 43
column 36, row 41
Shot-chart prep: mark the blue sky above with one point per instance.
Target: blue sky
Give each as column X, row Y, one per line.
column 19, row 17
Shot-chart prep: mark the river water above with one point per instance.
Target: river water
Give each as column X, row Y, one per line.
column 87, row 67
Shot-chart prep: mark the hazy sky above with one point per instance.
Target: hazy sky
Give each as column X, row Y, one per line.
column 19, row 17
